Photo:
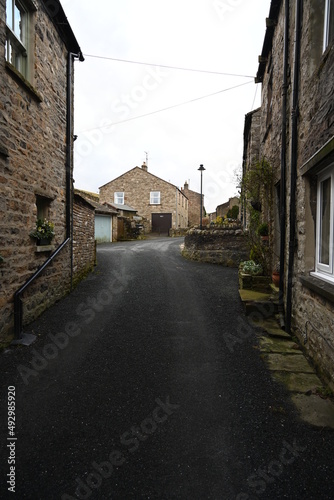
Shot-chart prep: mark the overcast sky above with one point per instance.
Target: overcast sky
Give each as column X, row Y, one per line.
column 111, row 97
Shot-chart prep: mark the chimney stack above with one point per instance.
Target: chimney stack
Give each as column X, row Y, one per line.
column 144, row 167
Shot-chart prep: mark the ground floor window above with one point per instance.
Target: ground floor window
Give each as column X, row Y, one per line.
column 325, row 225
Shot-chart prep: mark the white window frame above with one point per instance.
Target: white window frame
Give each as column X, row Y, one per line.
column 324, row 271
column 17, row 49
column 155, row 198
column 329, row 6
column 119, row 197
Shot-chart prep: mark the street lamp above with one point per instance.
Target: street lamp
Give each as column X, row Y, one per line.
column 201, row 169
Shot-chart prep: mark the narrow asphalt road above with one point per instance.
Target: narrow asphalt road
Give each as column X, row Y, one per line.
column 145, row 383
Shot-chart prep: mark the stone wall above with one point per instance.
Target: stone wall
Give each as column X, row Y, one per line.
column 32, row 167
column 312, row 309
column 227, row 246
column 84, row 250
column 137, row 185
column 194, row 208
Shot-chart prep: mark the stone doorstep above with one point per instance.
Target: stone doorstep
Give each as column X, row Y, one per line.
column 262, row 303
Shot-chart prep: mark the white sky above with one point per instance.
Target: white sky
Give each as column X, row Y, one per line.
column 215, row 35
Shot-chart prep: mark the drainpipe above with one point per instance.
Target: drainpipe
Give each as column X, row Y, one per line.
column 69, row 139
column 293, row 163
column 283, row 161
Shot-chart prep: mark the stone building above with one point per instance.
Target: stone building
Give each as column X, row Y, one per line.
column 223, row 209
column 38, row 49
column 194, row 205
column 159, row 201
column 296, row 138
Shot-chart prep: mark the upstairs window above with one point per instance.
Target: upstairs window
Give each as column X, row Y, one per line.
column 17, row 25
column 325, row 225
column 155, row 198
column 119, row 197
column 329, row 23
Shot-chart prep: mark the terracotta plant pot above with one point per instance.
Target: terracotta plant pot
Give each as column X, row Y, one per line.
column 275, row 278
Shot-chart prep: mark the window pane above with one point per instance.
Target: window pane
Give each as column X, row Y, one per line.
column 155, row 198
column 9, row 13
column 325, row 220
column 17, row 28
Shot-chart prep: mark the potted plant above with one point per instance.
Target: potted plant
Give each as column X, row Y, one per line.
column 44, row 232
column 263, row 231
column 276, row 275
column 251, row 267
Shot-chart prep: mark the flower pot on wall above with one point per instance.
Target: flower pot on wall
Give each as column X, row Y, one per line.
column 43, row 242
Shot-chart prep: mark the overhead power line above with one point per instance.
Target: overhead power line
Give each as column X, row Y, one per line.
column 168, row 67
column 167, row 108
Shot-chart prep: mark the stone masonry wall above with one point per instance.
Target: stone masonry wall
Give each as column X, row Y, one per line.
column 227, row 247
column 137, row 185
column 32, row 138
column 194, row 209
column 84, row 254
column 312, row 314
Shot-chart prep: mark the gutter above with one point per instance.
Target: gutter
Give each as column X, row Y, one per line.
column 293, row 167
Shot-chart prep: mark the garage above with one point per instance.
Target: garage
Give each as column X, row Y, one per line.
column 161, row 223
column 103, row 228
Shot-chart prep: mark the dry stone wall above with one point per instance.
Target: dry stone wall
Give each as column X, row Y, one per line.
column 227, row 247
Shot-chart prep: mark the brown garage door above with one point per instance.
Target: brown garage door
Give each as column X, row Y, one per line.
column 161, row 223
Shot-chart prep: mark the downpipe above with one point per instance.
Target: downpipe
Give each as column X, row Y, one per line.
column 293, row 165
column 283, row 163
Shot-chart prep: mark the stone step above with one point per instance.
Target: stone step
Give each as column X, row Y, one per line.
column 261, row 305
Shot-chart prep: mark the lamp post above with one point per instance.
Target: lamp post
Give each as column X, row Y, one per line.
column 201, row 169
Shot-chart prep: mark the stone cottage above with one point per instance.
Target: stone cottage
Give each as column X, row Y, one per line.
column 194, row 205
column 159, row 201
column 295, row 131
column 38, row 49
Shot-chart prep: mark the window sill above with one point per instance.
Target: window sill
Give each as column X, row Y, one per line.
column 44, row 248
column 317, row 285
column 22, row 81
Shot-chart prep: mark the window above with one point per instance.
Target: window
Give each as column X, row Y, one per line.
column 43, row 207
column 17, row 19
column 155, row 198
column 325, row 225
column 329, row 23
column 119, row 198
